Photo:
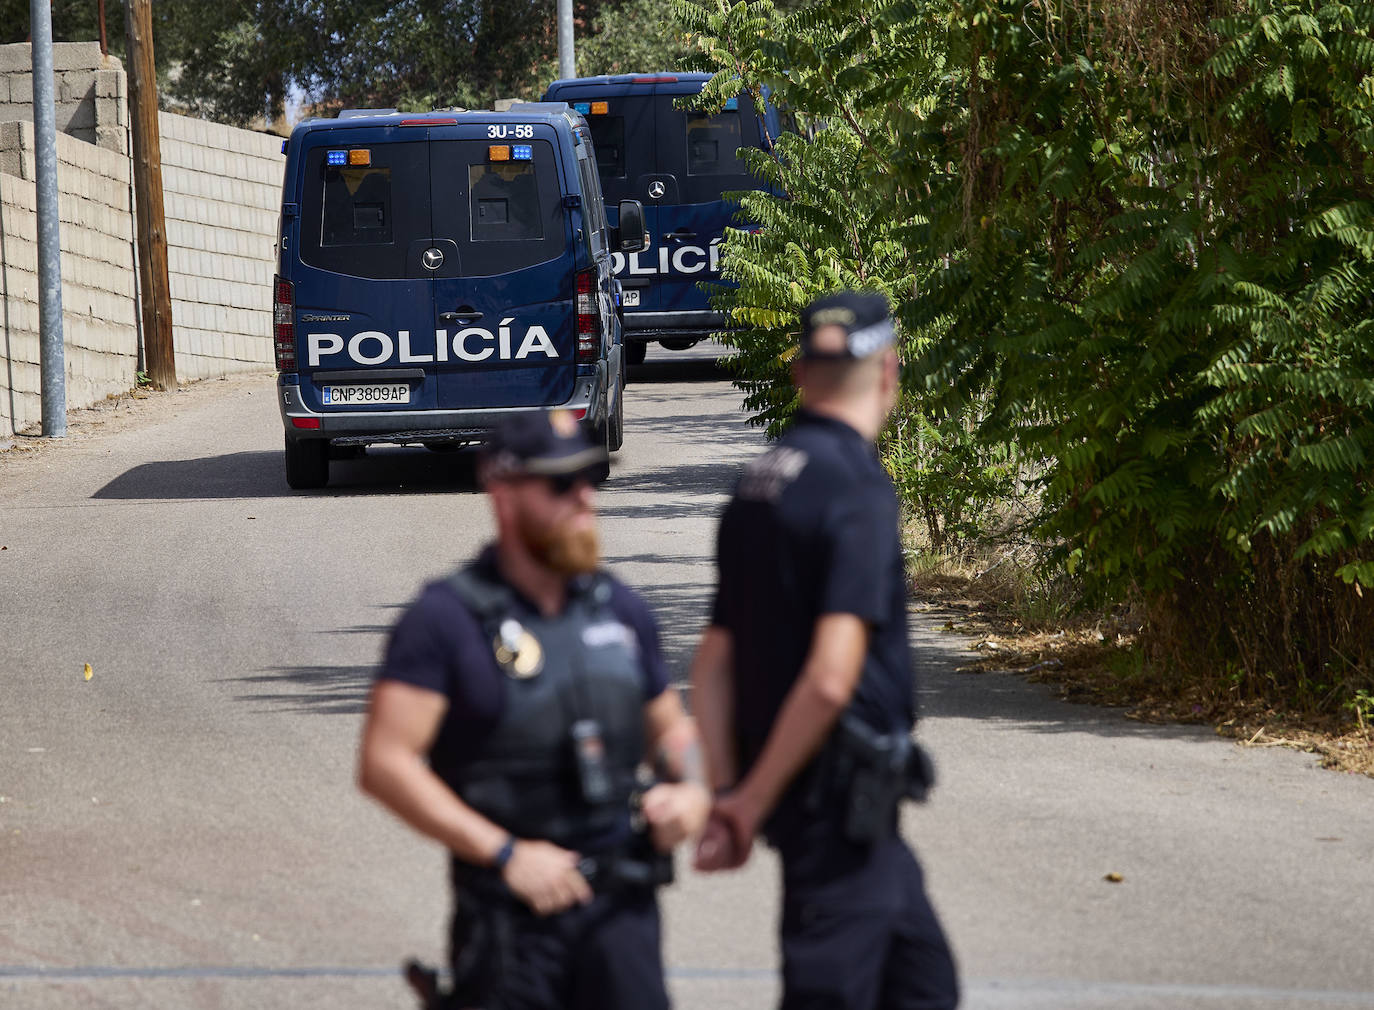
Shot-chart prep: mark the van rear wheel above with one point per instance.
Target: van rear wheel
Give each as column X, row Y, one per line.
column 307, row 463
column 635, row 352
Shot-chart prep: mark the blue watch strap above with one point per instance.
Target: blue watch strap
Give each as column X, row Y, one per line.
column 503, row 854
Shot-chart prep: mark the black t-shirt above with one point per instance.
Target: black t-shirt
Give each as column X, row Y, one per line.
column 812, row 529
column 439, row 645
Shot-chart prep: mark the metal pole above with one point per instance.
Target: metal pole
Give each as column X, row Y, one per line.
column 567, row 65
column 51, row 353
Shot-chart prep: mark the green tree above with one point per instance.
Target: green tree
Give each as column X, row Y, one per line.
column 636, row 36
column 1139, row 248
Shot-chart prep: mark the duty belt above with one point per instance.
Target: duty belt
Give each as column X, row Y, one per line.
column 868, row 774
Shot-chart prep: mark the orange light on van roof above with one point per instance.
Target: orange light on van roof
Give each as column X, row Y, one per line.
column 498, row 152
column 600, row 108
column 360, row 156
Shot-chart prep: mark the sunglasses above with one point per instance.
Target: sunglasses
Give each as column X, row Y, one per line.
column 562, row 483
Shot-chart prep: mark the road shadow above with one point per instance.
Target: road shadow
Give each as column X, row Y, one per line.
column 319, row 690
column 383, row 470
column 696, row 369
column 675, row 489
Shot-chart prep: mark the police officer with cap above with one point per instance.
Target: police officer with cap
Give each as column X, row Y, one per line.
column 518, row 705
column 803, row 686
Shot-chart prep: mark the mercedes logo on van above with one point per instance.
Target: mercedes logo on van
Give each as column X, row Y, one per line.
column 432, row 258
column 657, row 189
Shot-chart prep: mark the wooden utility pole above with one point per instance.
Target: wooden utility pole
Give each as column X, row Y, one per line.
column 155, row 288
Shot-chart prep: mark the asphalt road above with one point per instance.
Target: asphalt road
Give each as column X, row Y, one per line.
column 182, row 830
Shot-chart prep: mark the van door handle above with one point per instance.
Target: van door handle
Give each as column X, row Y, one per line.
column 681, row 235
column 452, row 317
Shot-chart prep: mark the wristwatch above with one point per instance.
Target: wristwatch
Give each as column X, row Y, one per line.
column 503, row 854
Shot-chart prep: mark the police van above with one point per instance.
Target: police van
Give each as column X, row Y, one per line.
column 437, row 271
column 678, row 164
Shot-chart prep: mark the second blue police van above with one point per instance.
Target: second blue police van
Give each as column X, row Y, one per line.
column 439, row 270
column 678, row 164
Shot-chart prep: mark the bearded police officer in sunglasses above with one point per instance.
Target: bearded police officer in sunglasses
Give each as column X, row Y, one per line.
column 803, row 686
column 519, row 703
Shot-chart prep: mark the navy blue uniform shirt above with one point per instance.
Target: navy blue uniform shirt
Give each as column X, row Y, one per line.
column 812, row 529
column 439, row 645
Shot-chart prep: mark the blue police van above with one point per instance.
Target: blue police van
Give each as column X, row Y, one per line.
column 439, row 270
column 678, row 164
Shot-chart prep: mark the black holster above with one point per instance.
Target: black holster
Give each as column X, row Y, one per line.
column 866, row 775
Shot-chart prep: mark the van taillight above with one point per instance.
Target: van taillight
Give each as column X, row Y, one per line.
column 284, row 324
column 588, row 318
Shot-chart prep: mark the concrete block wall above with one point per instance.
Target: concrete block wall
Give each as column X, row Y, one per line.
column 90, row 92
column 221, row 196
column 99, row 310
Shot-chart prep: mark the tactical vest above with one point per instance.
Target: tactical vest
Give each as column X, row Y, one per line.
column 562, row 674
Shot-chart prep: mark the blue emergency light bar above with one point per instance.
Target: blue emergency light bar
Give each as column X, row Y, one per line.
column 731, row 104
column 584, row 108
column 522, row 152
column 337, row 158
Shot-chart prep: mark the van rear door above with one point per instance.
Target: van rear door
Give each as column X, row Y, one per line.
column 506, row 299
column 699, row 153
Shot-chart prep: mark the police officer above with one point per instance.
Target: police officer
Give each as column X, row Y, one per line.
column 803, row 686
column 516, row 701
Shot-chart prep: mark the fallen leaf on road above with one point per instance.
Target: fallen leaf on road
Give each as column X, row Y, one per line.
column 89, row 671
column 1113, row 878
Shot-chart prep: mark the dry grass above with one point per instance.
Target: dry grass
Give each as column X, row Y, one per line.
column 1092, row 660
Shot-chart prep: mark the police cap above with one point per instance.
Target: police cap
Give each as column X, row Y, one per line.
column 861, row 315
column 542, row 443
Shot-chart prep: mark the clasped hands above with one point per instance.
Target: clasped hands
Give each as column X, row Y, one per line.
column 728, row 838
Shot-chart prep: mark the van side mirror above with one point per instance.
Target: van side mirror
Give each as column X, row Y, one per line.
column 634, row 237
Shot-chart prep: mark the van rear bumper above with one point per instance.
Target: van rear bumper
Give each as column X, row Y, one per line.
column 417, row 427
column 654, row 325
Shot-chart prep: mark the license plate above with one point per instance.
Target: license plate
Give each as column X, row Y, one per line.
column 372, row 392
column 629, row 297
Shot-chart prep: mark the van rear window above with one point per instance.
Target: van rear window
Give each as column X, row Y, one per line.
column 712, row 142
column 357, row 206
column 608, row 141
column 359, row 220
column 505, row 202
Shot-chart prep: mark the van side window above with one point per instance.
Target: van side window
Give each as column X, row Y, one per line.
column 357, row 206
column 712, row 142
column 593, row 209
column 505, row 204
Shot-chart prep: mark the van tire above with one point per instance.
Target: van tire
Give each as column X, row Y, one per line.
column 635, row 351
column 307, row 463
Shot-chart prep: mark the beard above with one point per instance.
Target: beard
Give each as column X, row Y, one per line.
column 566, row 548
